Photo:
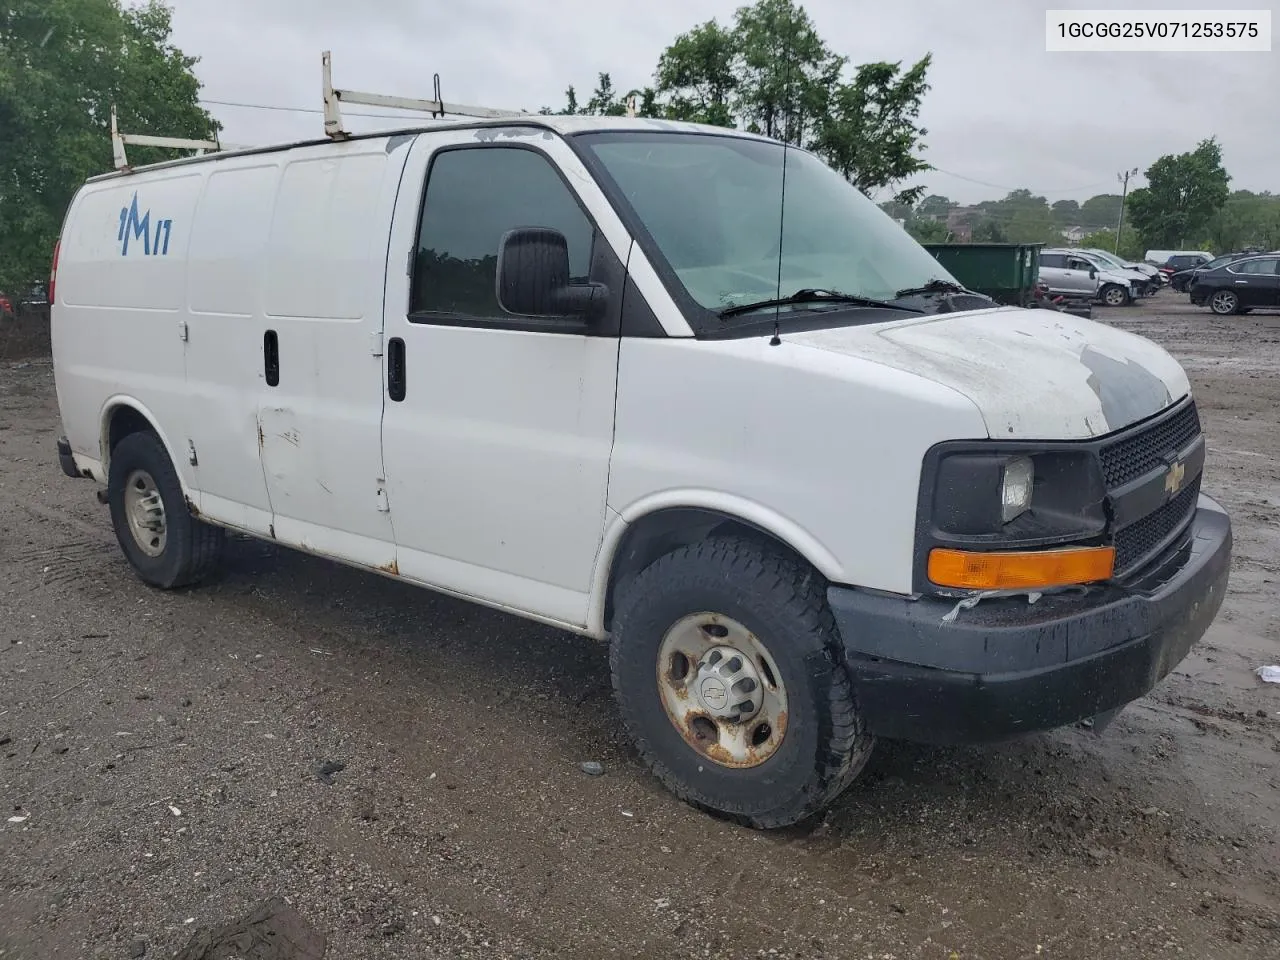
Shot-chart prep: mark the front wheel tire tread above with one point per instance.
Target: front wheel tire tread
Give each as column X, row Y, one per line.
column 797, row 593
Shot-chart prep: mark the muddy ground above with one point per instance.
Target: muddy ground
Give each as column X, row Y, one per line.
column 163, row 749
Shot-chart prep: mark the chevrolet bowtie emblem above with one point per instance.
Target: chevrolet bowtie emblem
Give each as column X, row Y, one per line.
column 1173, row 479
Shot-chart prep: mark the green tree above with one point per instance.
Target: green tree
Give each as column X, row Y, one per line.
column 770, row 72
column 697, row 74
column 1246, row 220
column 935, row 206
column 989, row 230
column 869, row 133
column 63, row 63
column 1100, row 212
column 928, row 231
column 1066, row 213
column 785, row 71
column 1182, row 196
column 1130, row 245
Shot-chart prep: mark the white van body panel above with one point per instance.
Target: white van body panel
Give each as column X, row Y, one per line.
column 1033, row 374
column 121, row 303
column 822, row 450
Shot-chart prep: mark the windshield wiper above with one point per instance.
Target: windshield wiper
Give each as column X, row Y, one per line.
column 933, row 286
column 809, row 295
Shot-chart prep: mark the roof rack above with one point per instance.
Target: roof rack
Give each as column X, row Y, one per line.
column 334, row 98
column 118, row 141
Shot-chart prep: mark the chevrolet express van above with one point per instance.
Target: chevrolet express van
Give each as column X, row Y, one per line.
column 679, row 388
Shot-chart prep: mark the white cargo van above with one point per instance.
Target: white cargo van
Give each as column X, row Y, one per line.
column 616, row 376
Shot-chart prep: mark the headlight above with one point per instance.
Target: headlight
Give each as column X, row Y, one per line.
column 978, row 495
column 1015, row 489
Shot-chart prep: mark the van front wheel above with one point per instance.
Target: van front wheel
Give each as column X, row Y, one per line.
column 166, row 545
column 728, row 672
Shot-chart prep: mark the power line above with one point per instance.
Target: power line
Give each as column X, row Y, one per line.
column 1001, row 186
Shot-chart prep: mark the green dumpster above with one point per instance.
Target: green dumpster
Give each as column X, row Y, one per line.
column 1005, row 272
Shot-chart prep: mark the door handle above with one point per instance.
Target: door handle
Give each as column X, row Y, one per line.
column 395, row 369
column 271, row 357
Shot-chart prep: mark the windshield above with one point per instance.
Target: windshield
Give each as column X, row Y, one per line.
column 713, row 206
column 1107, row 258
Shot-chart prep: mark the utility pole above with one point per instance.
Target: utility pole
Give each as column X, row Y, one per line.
column 1123, row 178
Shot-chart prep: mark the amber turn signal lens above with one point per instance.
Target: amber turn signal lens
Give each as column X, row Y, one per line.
column 1026, row 569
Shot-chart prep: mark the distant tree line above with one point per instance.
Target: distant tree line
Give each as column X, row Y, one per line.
column 1186, row 204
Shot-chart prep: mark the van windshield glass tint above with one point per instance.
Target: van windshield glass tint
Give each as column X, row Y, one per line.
column 713, row 206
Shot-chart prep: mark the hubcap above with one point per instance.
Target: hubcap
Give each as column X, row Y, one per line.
column 144, row 510
column 722, row 690
column 1115, row 296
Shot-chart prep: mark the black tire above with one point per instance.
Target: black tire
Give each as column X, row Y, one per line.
column 1224, row 302
column 191, row 548
column 1107, row 295
column 783, row 602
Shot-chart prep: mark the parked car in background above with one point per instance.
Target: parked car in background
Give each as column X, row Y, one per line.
column 1182, row 280
column 1071, row 274
column 6, row 308
column 1155, row 278
column 1239, row 286
column 1141, row 284
column 1182, row 260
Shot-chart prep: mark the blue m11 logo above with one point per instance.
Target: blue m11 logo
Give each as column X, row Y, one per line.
column 139, row 228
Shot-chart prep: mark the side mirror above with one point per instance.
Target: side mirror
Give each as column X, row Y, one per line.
column 533, row 276
column 1093, row 273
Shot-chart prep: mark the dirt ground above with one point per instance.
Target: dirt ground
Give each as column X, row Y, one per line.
column 163, row 750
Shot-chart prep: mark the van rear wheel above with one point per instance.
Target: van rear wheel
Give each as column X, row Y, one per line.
column 166, row 545
column 728, row 672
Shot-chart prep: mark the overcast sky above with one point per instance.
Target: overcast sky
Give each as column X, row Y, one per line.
column 1002, row 113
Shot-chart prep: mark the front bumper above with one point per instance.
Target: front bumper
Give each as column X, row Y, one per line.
column 1006, row 667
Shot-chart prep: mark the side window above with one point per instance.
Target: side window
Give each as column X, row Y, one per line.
column 1079, row 265
column 1264, row 268
column 473, row 197
column 1054, row 260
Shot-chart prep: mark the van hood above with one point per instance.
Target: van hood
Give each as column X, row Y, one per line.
column 1033, row 374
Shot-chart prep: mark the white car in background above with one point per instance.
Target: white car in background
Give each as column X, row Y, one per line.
column 1155, row 279
column 1069, row 273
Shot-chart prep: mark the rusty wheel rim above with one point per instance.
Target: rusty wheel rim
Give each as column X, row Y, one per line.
column 722, row 690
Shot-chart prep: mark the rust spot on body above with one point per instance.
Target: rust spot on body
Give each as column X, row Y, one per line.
column 192, row 508
column 392, row 568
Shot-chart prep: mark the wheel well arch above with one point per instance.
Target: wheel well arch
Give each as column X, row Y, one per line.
column 122, row 416
column 661, row 531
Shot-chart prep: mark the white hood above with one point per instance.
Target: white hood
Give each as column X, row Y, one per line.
column 1033, row 374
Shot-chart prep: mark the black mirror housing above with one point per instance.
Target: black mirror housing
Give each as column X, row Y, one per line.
column 533, row 276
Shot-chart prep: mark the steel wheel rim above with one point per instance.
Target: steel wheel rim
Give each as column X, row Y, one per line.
column 1115, row 297
column 732, row 713
column 144, row 511
column 1224, row 302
